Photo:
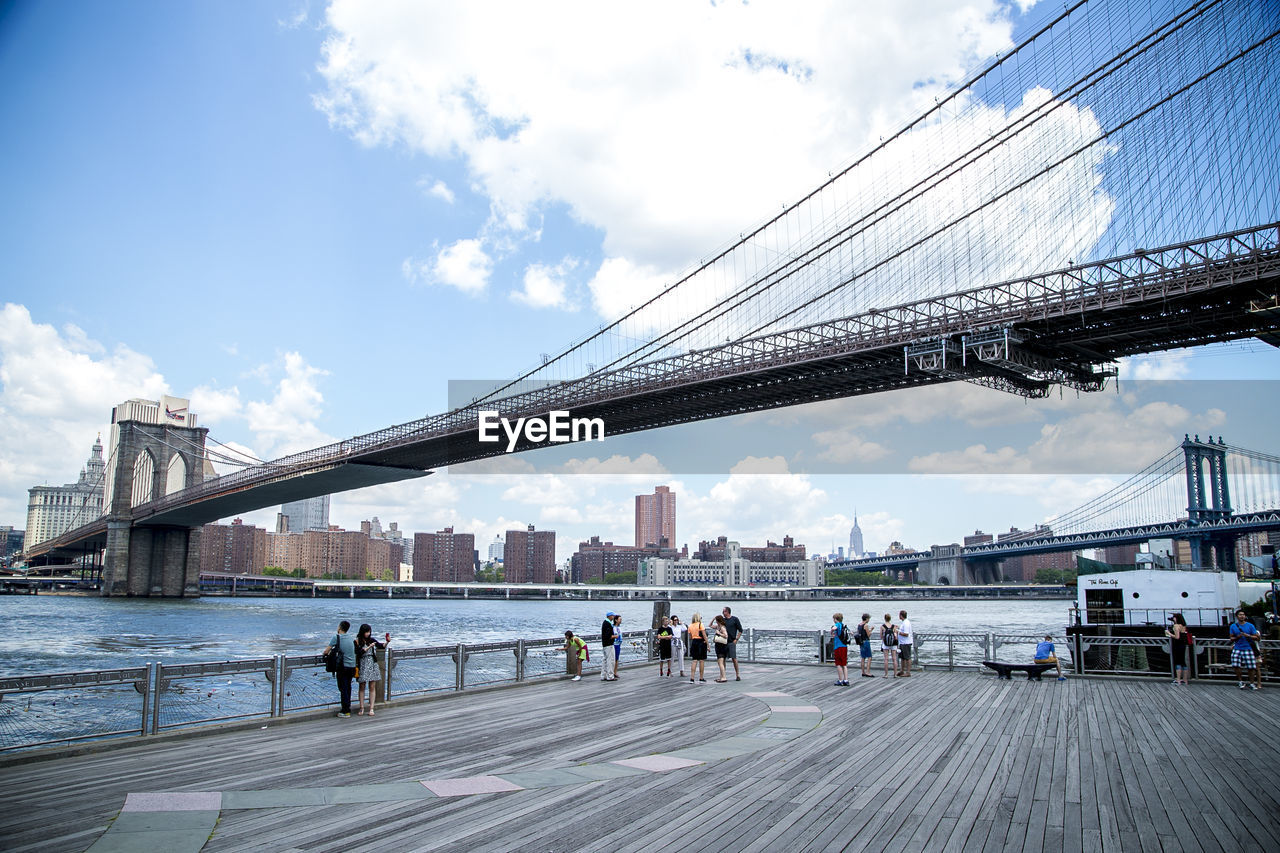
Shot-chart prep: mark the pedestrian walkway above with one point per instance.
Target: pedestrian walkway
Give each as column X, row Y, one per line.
column 783, row 760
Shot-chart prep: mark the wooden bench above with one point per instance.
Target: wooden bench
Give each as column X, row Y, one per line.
column 1006, row 670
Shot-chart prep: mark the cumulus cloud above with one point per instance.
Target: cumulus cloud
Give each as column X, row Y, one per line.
column 1158, row 366
column 464, row 265
column 546, row 286
column 843, row 446
column 437, row 189
column 286, row 423
column 57, row 388
column 644, row 121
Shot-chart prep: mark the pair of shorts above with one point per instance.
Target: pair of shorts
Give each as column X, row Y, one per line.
column 664, row 651
column 733, row 651
column 904, row 652
column 697, row 650
column 841, row 656
column 722, row 650
column 864, row 649
column 1244, row 658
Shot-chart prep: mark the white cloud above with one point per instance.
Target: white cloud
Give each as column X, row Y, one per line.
column 1162, row 365
column 644, row 119
column 437, row 189
column 545, row 286
column 286, row 423
column 756, row 465
column 843, row 446
column 464, row 265
column 56, row 394
column 617, row 468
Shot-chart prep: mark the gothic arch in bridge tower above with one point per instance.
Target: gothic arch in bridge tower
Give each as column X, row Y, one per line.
column 176, row 479
column 144, row 469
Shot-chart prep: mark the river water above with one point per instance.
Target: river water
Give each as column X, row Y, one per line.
column 54, row 633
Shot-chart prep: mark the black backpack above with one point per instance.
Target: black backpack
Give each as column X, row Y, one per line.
column 889, row 637
column 860, row 636
column 844, row 633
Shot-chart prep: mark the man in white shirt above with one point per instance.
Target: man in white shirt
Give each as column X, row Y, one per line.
column 905, row 641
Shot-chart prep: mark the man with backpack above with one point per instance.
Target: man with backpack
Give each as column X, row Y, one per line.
column 863, row 638
column 840, row 648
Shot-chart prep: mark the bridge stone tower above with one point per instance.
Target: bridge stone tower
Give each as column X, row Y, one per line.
column 156, row 449
column 1208, row 501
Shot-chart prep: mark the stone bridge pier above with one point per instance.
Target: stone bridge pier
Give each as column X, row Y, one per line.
column 150, row 461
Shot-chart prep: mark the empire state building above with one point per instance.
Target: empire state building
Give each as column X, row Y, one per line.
column 855, row 538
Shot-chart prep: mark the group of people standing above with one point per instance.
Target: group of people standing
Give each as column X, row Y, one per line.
column 676, row 640
column 357, row 660
column 896, row 644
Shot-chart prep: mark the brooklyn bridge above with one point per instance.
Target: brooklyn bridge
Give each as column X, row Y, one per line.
column 1109, row 187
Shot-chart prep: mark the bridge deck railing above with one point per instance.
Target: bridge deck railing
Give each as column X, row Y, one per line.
column 66, row 708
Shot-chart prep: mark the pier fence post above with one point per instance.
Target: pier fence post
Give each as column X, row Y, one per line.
column 519, row 652
column 751, row 645
column 155, row 697
column 275, row 675
column 148, row 698
column 1077, row 653
column 822, row 646
column 951, row 653
column 386, row 674
column 460, row 665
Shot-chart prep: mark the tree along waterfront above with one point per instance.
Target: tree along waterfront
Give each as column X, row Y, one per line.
column 74, row 633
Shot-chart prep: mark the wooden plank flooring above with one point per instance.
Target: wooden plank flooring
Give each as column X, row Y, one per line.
column 939, row 762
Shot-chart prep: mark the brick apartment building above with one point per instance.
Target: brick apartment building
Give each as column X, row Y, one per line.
column 529, row 556
column 444, row 556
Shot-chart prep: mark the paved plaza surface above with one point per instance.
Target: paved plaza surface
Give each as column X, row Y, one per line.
column 783, row 760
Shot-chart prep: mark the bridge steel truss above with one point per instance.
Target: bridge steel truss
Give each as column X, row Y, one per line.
column 1024, row 336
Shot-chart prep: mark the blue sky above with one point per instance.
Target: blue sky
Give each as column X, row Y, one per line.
column 296, row 215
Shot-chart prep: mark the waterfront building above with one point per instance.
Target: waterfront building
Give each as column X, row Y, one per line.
column 53, row 510
column 304, row 515
column 10, row 543
column 444, row 556
column 978, row 538
column 595, row 559
column 855, row 539
column 373, row 529
column 734, row 569
column 771, row 552
column 496, row 548
column 334, row 553
column 1023, row 569
column 236, row 548
column 656, row 517
column 529, row 556
column 1120, row 555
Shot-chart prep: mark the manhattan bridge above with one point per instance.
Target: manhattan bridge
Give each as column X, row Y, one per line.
column 1108, row 187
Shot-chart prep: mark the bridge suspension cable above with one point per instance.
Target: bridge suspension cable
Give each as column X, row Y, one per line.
column 1077, row 144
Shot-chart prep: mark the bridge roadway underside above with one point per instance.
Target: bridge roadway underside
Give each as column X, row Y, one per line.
column 1076, row 340
column 939, row 761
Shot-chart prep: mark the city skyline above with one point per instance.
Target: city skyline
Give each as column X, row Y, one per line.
column 297, row 229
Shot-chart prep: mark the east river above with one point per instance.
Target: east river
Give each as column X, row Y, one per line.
column 55, row 633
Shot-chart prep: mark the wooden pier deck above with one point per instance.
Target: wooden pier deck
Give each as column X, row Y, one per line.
column 938, row 762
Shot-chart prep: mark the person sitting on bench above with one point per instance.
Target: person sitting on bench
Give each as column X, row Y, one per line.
column 1045, row 654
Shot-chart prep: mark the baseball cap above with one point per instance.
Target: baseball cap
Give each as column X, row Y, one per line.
column 611, row 613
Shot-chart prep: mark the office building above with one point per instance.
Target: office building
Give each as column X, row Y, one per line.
column 496, row 550
column 656, row 518
column 733, row 570
column 772, row 552
column 855, row 539
column 529, row 556
column 53, row 510
column 444, row 556
column 304, row 515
